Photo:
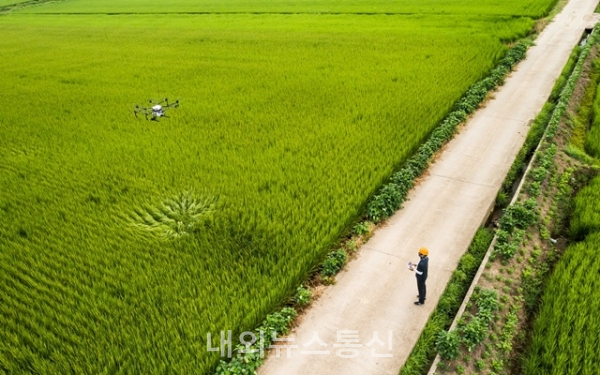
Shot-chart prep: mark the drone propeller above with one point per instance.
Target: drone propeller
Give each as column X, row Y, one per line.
column 165, row 100
column 146, row 111
column 175, row 104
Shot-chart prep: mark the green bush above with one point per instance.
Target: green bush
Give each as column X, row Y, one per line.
column 361, row 228
column 480, row 365
column 512, row 227
column 452, row 297
column 468, row 264
column 497, row 365
column 334, row 262
column 519, row 215
column 487, row 304
column 303, row 296
column 246, row 363
column 473, row 333
column 448, row 344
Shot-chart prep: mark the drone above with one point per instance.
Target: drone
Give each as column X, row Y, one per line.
column 156, row 111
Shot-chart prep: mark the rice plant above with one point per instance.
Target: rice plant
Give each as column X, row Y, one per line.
column 532, row 8
column 586, row 213
column 292, row 120
column 565, row 334
column 592, row 141
column 175, row 217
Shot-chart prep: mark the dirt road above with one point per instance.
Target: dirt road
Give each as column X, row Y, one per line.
column 377, row 292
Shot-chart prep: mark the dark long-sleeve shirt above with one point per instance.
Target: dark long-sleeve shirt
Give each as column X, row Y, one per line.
column 421, row 271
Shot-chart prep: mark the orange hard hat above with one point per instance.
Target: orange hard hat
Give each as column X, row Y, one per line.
column 423, row 251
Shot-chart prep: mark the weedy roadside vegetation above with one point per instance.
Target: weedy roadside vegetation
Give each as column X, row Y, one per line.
column 564, row 337
column 534, row 334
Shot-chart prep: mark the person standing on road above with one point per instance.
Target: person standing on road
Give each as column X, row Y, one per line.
column 421, row 273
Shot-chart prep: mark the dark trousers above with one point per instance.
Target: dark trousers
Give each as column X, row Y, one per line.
column 422, row 289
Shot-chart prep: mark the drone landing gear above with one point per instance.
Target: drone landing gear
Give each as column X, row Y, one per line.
column 155, row 118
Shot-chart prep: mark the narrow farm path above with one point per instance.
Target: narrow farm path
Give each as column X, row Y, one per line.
column 377, row 292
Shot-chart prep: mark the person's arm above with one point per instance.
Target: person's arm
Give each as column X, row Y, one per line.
column 417, row 270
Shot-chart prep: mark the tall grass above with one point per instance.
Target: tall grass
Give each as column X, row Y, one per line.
column 287, row 125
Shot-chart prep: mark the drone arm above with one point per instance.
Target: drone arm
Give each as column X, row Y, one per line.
column 165, row 100
column 175, row 104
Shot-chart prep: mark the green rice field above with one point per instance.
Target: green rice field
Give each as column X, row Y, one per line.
column 530, row 8
column 586, row 213
column 566, row 332
column 4, row 3
column 566, row 336
column 592, row 141
column 123, row 242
